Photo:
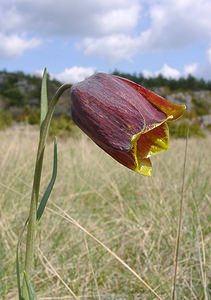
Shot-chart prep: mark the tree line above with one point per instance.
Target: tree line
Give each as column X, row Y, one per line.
column 183, row 83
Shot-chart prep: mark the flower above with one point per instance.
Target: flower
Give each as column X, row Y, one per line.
column 123, row 118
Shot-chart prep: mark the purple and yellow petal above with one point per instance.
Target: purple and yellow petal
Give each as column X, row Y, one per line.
column 144, row 167
column 172, row 111
column 144, row 145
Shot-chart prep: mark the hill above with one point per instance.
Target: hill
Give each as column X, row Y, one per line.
column 20, row 94
column 19, row 91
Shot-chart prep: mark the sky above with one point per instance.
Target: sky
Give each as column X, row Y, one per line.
column 73, row 39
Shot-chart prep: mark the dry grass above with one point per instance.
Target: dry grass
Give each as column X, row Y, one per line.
column 135, row 217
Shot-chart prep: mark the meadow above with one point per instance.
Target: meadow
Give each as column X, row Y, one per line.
column 106, row 229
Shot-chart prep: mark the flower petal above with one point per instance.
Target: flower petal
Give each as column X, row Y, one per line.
column 154, row 141
column 106, row 110
column 145, row 167
column 126, row 120
column 173, row 111
column 110, row 112
column 147, row 144
column 127, row 159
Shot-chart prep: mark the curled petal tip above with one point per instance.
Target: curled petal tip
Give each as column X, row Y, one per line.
column 145, row 145
column 144, row 168
column 174, row 111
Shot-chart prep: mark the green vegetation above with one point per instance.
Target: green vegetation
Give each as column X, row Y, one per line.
column 5, row 120
column 179, row 130
column 201, row 107
column 182, row 84
column 15, row 96
column 135, row 217
column 20, row 93
column 63, row 127
column 33, row 117
column 209, row 127
column 20, row 88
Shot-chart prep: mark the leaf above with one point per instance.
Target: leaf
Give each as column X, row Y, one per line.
column 30, row 289
column 44, row 97
column 47, row 193
column 18, row 273
column 208, row 292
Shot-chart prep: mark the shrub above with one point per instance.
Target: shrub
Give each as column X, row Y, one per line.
column 15, row 97
column 34, row 117
column 179, row 130
column 208, row 127
column 201, row 107
column 63, row 127
column 5, row 120
column 28, row 115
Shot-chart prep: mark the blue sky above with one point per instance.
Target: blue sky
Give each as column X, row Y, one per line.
column 74, row 39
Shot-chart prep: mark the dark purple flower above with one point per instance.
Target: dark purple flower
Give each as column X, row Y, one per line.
column 123, row 118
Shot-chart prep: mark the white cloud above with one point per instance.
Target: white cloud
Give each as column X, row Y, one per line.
column 209, row 55
column 166, row 71
column 112, row 47
column 170, row 27
column 38, row 73
column 190, row 69
column 13, row 45
column 83, row 19
column 119, row 20
column 74, row 74
column 148, row 73
column 176, row 24
column 108, row 29
column 169, row 72
column 70, row 17
column 204, row 69
column 10, row 19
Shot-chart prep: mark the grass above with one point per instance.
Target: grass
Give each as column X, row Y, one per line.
column 134, row 217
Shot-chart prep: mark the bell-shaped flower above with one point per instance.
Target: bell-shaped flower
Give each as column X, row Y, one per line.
column 123, row 118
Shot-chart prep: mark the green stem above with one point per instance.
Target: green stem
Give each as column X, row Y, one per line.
column 32, row 221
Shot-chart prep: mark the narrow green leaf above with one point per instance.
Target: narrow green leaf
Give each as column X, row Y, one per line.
column 44, row 97
column 18, row 271
column 47, row 193
column 208, row 291
column 30, row 288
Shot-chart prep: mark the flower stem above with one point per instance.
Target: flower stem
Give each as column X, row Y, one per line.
column 32, row 220
column 179, row 226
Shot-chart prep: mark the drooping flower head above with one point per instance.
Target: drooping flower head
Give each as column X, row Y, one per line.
column 123, row 118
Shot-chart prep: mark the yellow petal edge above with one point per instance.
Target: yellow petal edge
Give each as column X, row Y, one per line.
column 152, row 145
